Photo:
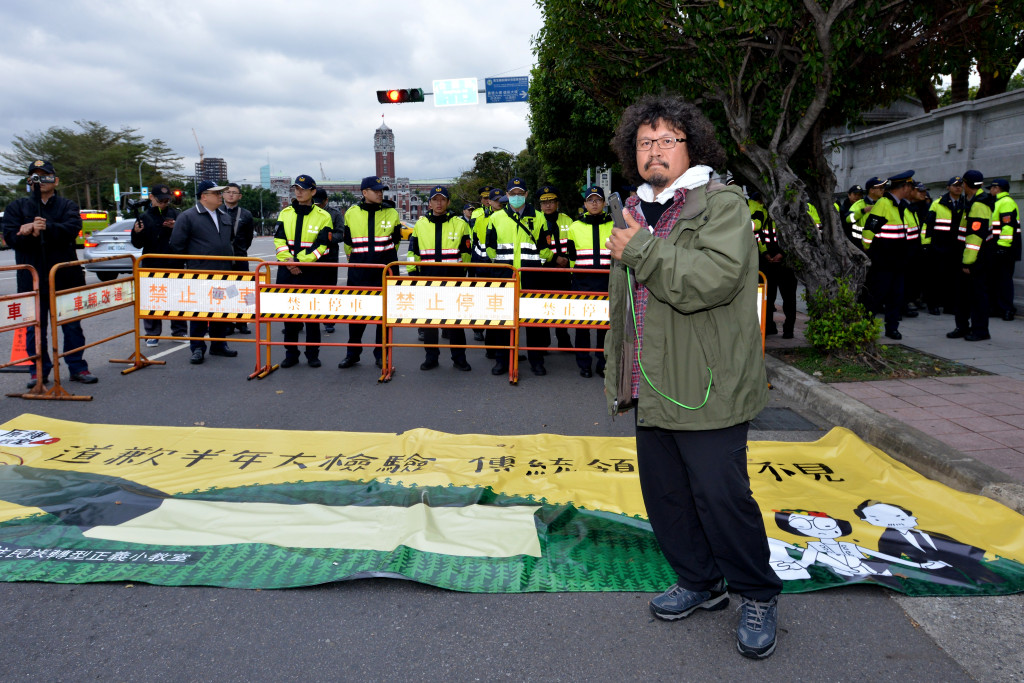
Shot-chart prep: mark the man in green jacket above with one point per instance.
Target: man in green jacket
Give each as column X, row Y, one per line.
column 684, row 286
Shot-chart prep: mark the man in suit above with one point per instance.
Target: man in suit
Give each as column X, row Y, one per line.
column 200, row 231
column 902, row 538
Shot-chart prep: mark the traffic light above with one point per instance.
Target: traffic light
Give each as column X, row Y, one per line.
column 176, row 195
column 398, row 96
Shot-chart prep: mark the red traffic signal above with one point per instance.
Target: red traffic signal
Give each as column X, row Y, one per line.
column 176, row 195
column 400, row 95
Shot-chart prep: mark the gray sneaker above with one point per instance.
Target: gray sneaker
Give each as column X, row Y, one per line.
column 678, row 602
column 755, row 635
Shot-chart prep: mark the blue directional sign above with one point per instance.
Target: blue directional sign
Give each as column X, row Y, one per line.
column 452, row 92
column 511, row 89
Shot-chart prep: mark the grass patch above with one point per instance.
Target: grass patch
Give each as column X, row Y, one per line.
column 890, row 361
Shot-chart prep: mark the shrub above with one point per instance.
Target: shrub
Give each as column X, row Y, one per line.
column 839, row 322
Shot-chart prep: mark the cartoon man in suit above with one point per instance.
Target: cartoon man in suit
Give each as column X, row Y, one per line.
column 902, row 538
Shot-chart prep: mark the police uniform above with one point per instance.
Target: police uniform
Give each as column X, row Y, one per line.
column 886, row 240
column 972, row 308
column 1006, row 231
column 519, row 239
column 371, row 236
column 945, row 249
column 441, row 239
column 586, row 250
column 300, row 236
column 558, row 227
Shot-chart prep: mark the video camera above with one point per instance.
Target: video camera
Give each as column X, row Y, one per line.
column 36, row 179
column 136, row 206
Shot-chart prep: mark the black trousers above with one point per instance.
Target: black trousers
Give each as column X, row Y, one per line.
column 697, row 493
column 291, row 334
column 199, row 329
column 1001, row 287
column 535, row 336
column 886, row 286
column 780, row 279
column 455, row 336
column 972, row 304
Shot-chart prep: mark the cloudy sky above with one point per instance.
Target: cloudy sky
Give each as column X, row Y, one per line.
column 292, row 81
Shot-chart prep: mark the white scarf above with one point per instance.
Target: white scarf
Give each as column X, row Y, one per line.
column 695, row 176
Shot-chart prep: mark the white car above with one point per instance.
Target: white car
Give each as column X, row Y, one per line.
column 113, row 241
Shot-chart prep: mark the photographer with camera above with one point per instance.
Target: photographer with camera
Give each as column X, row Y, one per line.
column 42, row 229
column 152, row 234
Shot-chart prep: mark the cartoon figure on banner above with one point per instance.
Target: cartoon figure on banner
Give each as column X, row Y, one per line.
column 22, row 438
column 963, row 564
column 840, row 557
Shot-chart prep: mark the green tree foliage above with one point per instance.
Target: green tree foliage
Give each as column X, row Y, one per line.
column 571, row 129
column 772, row 74
column 86, row 160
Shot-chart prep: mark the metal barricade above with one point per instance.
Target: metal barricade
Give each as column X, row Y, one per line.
column 21, row 311
column 75, row 304
column 191, row 294
column 312, row 303
column 451, row 302
column 568, row 309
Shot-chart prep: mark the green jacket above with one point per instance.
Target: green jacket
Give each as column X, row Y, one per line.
column 701, row 314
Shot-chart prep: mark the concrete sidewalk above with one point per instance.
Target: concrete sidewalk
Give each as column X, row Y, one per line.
column 965, row 431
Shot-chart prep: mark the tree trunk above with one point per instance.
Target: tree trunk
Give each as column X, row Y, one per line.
column 959, row 89
column 926, row 93
column 819, row 258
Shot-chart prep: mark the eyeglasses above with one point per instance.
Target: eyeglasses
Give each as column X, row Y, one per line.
column 663, row 143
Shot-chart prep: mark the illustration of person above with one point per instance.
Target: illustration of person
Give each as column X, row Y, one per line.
column 841, row 557
column 964, row 564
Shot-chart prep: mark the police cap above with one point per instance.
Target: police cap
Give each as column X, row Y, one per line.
column 548, row 192
column 974, row 179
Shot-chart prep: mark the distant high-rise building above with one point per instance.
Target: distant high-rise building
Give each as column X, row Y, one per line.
column 212, row 168
column 265, row 177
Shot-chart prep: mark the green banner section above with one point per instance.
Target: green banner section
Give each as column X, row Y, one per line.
column 267, row 509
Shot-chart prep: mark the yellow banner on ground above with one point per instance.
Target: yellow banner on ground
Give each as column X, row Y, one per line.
column 836, row 510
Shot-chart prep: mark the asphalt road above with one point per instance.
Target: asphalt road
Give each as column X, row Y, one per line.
column 395, row 630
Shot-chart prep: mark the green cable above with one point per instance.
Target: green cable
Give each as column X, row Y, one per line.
column 636, row 332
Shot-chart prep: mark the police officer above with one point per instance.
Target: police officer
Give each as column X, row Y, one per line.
column 329, row 276
column 853, row 195
column 780, row 278
column 152, row 234
column 861, row 209
column 373, row 230
column 587, row 250
column 301, row 236
column 1006, row 230
column 979, row 244
column 42, row 229
column 914, row 207
column 945, row 247
column 558, row 226
column 518, row 236
column 885, row 239
column 441, row 237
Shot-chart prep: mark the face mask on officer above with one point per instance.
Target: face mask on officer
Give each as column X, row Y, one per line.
column 517, row 201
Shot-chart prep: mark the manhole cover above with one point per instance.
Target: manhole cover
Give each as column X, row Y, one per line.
column 782, row 420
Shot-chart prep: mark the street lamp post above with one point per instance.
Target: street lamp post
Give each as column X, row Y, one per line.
column 140, row 175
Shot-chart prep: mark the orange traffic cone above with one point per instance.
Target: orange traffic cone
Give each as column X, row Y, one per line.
column 19, row 350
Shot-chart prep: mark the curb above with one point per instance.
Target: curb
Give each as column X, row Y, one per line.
column 912, row 447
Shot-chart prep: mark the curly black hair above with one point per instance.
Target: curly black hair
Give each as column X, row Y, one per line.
column 701, row 144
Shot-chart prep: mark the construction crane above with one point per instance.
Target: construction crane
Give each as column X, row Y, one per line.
column 199, row 146
column 323, row 176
